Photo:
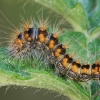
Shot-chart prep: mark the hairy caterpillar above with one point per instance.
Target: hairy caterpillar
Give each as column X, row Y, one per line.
column 40, row 40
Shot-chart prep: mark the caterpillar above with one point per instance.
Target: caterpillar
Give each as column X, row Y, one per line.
column 40, row 40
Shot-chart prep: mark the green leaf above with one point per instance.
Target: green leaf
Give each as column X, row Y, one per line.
column 95, row 89
column 98, row 98
column 94, row 18
column 97, row 5
column 88, row 5
column 95, row 33
column 70, row 3
column 75, row 16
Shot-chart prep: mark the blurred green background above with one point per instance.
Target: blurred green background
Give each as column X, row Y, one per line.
column 21, row 93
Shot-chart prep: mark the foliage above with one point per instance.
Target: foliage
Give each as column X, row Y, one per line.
column 84, row 44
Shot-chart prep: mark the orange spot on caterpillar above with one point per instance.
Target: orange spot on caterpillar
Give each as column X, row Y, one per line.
column 26, row 28
column 65, row 62
column 58, row 50
column 85, row 69
column 41, row 38
column 55, row 36
column 57, row 54
column 29, row 39
column 51, row 44
column 63, row 46
column 26, row 35
column 42, row 28
column 75, row 68
column 95, row 71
